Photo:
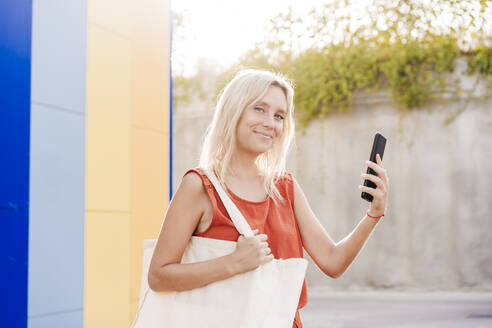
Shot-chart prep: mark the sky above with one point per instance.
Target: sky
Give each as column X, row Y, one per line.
column 222, row 30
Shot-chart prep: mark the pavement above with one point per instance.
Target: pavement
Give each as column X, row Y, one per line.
column 336, row 309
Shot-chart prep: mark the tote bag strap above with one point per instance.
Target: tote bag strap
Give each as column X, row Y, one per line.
column 237, row 218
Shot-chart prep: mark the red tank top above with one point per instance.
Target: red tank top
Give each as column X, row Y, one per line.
column 278, row 222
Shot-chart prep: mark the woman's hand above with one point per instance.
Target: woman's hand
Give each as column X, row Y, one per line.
column 380, row 195
column 251, row 252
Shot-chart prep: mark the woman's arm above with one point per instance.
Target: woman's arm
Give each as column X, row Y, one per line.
column 184, row 213
column 347, row 249
column 333, row 259
column 181, row 277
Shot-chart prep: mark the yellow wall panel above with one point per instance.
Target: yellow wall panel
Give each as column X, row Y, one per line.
column 108, row 120
column 150, row 192
column 150, row 177
column 150, row 92
column 150, row 122
column 113, row 15
column 151, row 73
column 128, row 100
column 107, row 278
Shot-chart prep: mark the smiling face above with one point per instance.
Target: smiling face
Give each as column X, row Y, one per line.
column 261, row 123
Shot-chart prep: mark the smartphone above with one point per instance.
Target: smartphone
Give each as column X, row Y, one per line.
column 377, row 148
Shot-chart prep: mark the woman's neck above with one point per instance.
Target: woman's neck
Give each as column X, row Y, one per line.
column 243, row 166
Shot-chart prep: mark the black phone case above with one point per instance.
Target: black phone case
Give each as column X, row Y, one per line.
column 377, row 148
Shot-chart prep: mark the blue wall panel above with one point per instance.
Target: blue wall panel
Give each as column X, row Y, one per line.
column 15, row 90
column 59, row 33
column 57, row 166
column 56, row 218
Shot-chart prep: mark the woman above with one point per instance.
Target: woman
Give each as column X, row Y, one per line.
column 246, row 145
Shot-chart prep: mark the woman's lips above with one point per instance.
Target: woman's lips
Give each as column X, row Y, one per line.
column 263, row 135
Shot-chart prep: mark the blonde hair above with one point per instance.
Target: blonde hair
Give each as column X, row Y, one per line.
column 246, row 88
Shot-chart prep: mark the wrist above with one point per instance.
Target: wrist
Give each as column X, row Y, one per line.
column 233, row 265
column 374, row 216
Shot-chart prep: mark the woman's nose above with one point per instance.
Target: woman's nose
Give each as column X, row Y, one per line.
column 268, row 121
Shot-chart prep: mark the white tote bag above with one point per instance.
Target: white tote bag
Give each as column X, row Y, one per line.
column 265, row 297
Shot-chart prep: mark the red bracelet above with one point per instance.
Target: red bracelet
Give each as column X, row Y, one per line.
column 374, row 217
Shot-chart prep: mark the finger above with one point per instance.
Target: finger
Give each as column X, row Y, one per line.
column 377, row 180
column 379, row 161
column 376, row 193
column 374, row 166
column 262, row 237
column 381, row 172
column 268, row 258
column 384, row 175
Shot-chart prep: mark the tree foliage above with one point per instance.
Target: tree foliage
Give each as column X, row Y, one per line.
column 407, row 47
column 404, row 46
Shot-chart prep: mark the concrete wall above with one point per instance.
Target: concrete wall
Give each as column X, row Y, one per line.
column 437, row 232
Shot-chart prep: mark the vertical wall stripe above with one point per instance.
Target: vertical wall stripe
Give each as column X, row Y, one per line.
column 170, row 102
column 15, row 91
column 108, row 164
column 57, row 164
column 127, row 167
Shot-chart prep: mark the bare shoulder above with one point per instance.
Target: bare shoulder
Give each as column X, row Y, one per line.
column 300, row 201
column 195, row 186
column 298, row 192
column 193, row 191
column 192, row 183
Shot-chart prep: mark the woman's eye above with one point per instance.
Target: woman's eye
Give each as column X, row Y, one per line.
column 259, row 109
column 280, row 117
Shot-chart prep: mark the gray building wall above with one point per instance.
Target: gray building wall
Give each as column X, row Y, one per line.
column 437, row 232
